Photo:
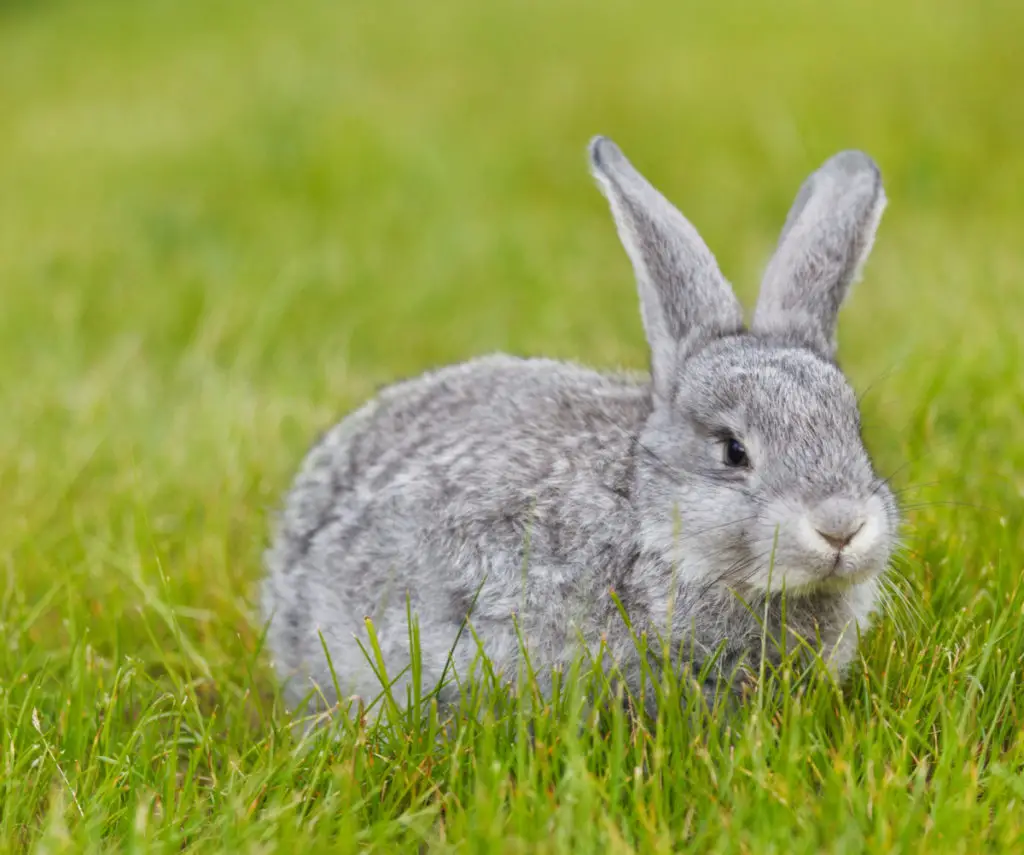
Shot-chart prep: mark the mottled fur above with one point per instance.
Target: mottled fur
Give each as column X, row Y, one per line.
column 531, row 489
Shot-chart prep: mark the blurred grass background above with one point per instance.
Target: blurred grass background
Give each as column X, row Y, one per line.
column 222, row 224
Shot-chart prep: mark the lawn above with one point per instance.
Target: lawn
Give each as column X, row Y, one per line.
column 224, row 224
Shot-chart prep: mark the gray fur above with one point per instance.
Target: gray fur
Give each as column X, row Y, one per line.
column 536, row 488
column 684, row 299
column 824, row 243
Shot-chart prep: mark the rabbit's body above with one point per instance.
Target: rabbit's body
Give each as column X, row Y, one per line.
column 523, row 492
column 448, row 488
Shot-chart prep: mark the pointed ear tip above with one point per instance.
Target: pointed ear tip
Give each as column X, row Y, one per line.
column 852, row 162
column 602, row 153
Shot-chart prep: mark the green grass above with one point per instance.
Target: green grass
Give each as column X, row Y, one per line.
column 222, row 224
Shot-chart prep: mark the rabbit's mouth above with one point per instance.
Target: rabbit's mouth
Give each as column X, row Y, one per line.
column 815, row 572
column 804, row 579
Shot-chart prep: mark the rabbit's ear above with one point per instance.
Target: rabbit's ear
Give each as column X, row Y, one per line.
column 684, row 299
column 825, row 241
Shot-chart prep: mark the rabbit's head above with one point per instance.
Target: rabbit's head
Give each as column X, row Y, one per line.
column 751, row 471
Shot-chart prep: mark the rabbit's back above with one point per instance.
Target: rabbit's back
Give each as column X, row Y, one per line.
column 500, row 483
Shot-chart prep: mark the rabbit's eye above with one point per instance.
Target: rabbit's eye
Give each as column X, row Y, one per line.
column 735, row 453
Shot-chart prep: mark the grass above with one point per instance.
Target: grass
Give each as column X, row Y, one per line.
column 222, row 224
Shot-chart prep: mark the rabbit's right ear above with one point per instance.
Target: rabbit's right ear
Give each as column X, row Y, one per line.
column 684, row 299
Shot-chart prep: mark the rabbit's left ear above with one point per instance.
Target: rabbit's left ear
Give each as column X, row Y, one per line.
column 825, row 241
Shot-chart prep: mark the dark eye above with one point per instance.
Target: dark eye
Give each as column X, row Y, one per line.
column 735, row 453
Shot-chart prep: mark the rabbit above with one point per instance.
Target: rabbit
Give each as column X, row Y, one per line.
column 560, row 510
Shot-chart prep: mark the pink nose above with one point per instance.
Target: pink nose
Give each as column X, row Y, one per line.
column 838, row 539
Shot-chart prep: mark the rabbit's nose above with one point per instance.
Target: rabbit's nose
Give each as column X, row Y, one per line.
column 837, row 537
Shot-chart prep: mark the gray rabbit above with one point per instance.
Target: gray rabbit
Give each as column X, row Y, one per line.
column 535, row 493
